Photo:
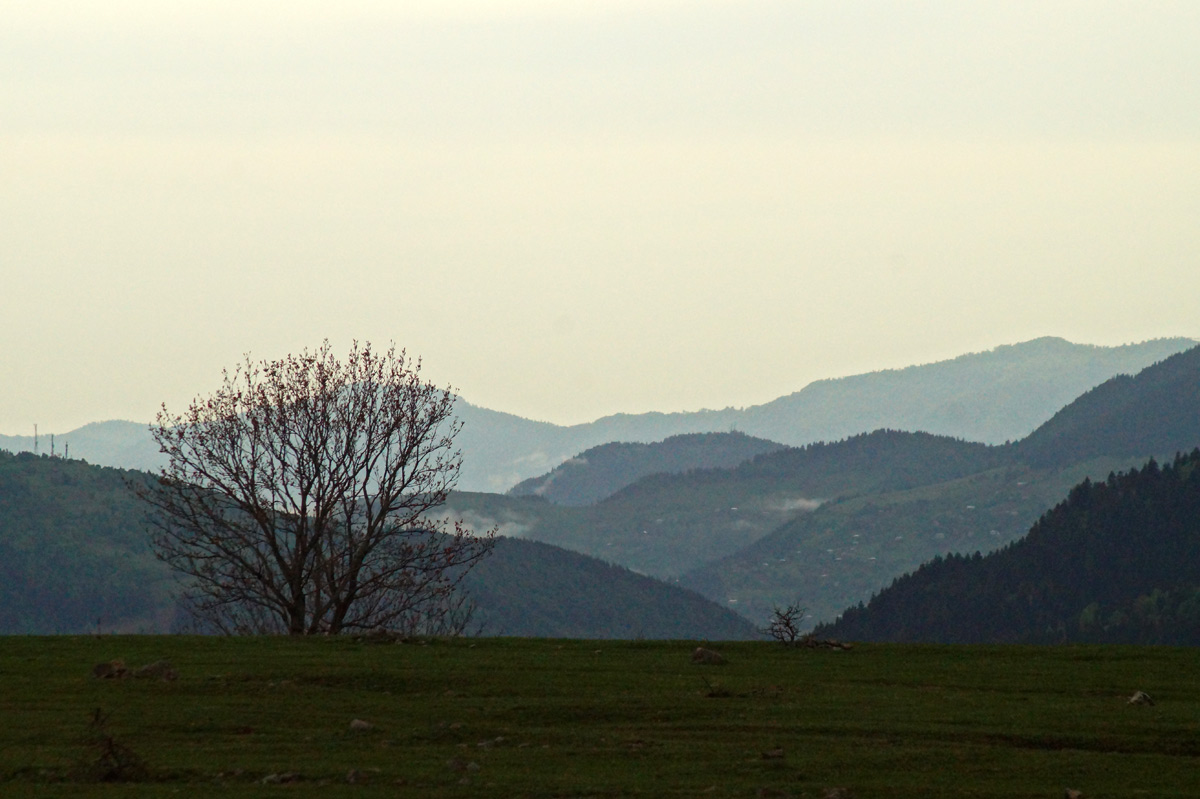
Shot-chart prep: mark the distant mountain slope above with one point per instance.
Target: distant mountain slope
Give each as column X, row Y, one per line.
column 993, row 396
column 666, row 525
column 1118, row 561
column 600, row 471
column 119, row 444
column 843, row 552
column 74, row 558
column 1155, row 413
column 525, row 588
column 500, row 449
column 866, row 462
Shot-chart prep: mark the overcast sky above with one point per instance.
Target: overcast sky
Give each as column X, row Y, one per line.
column 572, row 209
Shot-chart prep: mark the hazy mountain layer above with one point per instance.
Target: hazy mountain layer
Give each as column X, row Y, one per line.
column 753, row 533
column 666, row 525
column 1155, row 413
column 840, row 554
column 601, row 471
column 119, row 444
column 892, row 500
column 993, row 396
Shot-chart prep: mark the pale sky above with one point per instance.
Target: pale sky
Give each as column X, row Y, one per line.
column 572, row 209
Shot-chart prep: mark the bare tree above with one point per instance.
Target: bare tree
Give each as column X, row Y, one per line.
column 786, row 623
column 297, row 498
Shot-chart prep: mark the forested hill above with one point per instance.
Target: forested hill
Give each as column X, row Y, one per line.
column 1155, row 413
column 75, row 558
column 600, row 471
column 875, row 461
column 73, row 554
column 530, row 589
column 1118, row 561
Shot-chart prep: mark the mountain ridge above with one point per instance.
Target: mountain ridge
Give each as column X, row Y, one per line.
column 841, row 518
column 1028, row 383
column 601, row 471
column 830, row 556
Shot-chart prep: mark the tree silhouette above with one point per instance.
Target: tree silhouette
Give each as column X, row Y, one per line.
column 300, row 496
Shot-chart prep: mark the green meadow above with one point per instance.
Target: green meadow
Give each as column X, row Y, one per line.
column 269, row 717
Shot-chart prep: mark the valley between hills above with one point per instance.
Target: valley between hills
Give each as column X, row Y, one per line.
column 667, row 527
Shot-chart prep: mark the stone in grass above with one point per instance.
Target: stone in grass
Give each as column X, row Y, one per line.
column 281, row 779
column 707, row 657
column 158, row 670
column 111, row 670
column 358, row 725
column 1140, row 698
column 1071, row 793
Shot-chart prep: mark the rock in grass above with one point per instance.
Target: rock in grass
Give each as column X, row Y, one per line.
column 109, row 671
column 707, row 657
column 1071, row 793
column 281, row 779
column 158, row 670
column 1140, row 698
column 358, row 725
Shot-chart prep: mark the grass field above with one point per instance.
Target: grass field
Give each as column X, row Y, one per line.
column 548, row 718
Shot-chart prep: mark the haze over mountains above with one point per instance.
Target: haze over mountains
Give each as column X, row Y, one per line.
column 993, row 396
column 830, row 524
column 827, row 524
column 829, row 559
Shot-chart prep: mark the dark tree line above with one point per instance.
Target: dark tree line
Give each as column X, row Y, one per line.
column 1117, row 561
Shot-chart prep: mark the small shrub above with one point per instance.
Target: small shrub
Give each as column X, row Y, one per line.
column 714, row 690
column 113, row 761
